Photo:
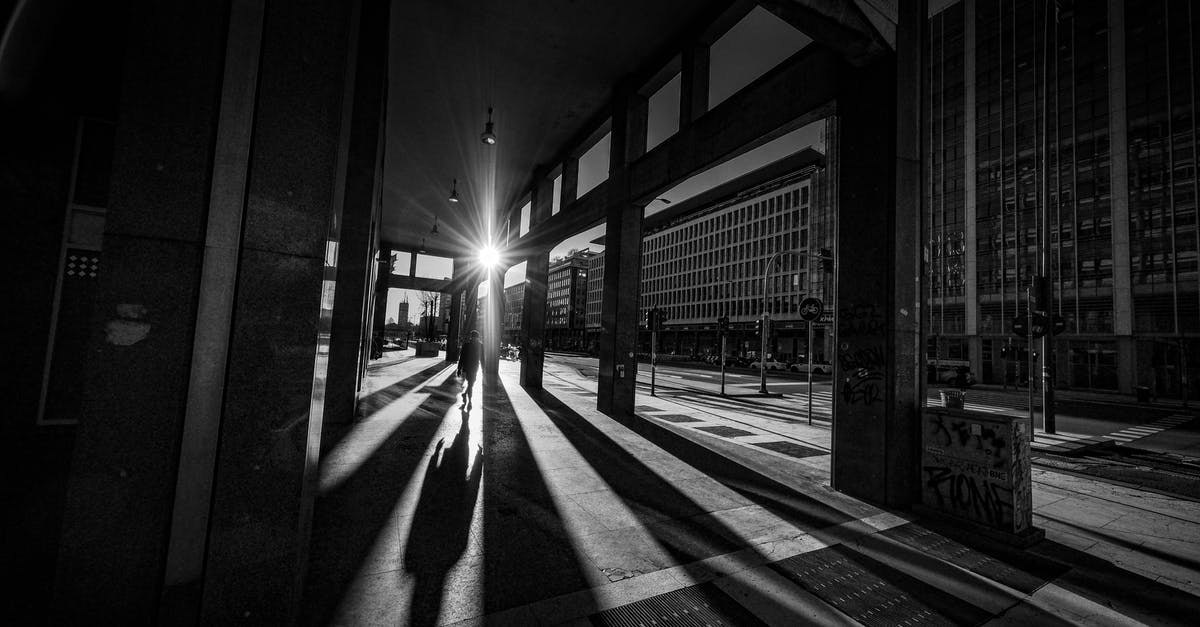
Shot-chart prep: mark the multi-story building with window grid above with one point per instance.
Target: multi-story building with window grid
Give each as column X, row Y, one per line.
column 705, row 258
column 712, row 263
column 566, row 301
column 514, row 306
column 1083, row 112
column 595, row 295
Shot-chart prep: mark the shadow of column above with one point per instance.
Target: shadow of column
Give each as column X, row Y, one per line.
column 527, row 552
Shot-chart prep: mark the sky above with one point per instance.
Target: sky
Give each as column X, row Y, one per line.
column 755, row 45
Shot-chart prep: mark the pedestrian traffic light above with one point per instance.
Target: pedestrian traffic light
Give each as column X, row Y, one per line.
column 826, row 260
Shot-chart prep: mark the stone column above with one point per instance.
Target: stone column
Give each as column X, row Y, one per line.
column 533, row 309
column 191, row 492
column 454, row 336
column 622, row 259
column 570, row 182
column 878, row 384
column 379, row 302
column 494, row 328
column 533, row 320
column 1122, row 290
column 349, row 344
column 693, row 83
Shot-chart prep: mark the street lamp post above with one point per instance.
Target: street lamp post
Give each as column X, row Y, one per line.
column 766, row 318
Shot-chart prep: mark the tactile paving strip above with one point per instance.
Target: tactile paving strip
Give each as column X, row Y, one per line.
column 791, row 449
column 725, row 432
column 963, row 556
column 677, row 418
column 699, row 606
column 832, row 575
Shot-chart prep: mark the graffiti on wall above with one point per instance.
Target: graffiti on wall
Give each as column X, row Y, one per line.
column 975, row 469
column 862, row 358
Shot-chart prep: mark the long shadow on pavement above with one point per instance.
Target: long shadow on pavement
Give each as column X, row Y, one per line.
column 1138, row 597
column 527, row 552
column 441, row 524
column 348, row 520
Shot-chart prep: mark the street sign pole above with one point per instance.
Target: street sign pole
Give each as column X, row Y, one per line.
column 1029, row 364
column 762, row 355
column 723, row 334
column 809, row 351
column 653, row 356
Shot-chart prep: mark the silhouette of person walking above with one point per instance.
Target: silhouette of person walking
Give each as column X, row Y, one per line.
column 468, row 364
column 441, row 524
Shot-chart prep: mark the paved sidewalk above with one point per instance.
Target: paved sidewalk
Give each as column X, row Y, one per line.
column 536, row 509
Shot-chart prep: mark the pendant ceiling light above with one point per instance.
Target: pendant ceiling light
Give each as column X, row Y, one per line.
column 435, row 226
column 454, row 191
column 489, row 130
column 422, row 248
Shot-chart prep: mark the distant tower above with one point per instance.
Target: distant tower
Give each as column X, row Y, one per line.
column 402, row 314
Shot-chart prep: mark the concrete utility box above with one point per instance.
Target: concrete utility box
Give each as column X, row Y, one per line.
column 428, row 349
column 975, row 469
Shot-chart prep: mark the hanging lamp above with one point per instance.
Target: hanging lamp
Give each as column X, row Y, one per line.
column 488, row 136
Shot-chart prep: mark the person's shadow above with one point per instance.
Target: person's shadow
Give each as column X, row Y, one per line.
column 441, row 524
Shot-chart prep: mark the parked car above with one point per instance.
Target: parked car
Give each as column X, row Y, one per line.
column 771, row 364
column 818, row 367
column 958, row 376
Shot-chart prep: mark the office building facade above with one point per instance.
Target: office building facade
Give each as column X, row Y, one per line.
column 566, row 301
column 1079, row 116
column 712, row 263
column 514, row 307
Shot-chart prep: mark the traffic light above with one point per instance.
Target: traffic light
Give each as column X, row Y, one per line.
column 826, row 260
column 655, row 318
column 723, row 324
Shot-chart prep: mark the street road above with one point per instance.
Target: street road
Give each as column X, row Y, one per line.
column 1129, row 422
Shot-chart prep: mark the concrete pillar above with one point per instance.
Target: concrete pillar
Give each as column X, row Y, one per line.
column 533, row 320
column 349, row 343
column 878, row 387
column 570, row 182
column 455, row 335
column 693, row 83
column 622, row 259
column 970, row 212
column 471, row 307
column 494, row 328
column 1119, row 184
column 533, row 309
column 379, row 303
column 191, row 488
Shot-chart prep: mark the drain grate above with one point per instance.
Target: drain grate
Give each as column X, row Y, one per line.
column 699, row 606
column 725, row 432
column 835, row 576
column 677, row 418
column 791, row 449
